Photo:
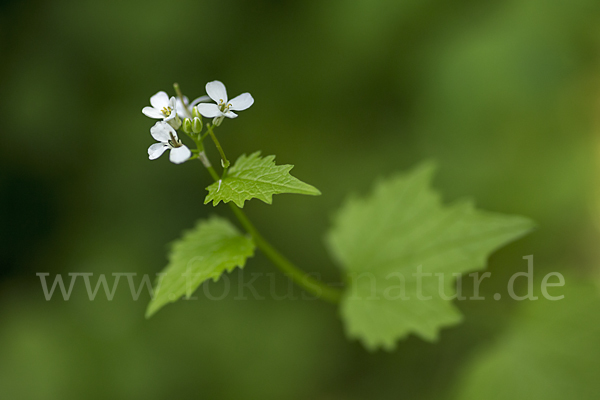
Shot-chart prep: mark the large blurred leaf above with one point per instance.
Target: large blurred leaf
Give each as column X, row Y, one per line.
column 403, row 228
column 256, row 177
column 551, row 351
column 206, row 252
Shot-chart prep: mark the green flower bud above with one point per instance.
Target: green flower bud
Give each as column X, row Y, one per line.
column 187, row 126
column 195, row 113
column 197, row 125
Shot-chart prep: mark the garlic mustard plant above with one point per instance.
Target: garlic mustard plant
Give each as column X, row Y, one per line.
column 397, row 234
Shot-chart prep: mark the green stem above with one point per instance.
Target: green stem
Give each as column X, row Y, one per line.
column 301, row 278
column 221, row 152
column 286, row 266
column 213, row 173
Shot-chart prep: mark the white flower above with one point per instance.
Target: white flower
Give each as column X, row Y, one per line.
column 164, row 108
column 182, row 110
column 167, row 136
column 224, row 108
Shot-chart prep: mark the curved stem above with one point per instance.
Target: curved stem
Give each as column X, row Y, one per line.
column 286, row 266
column 300, row 277
column 221, row 152
column 213, row 173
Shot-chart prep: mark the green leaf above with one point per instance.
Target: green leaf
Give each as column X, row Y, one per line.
column 255, row 177
column 385, row 238
column 550, row 350
column 207, row 251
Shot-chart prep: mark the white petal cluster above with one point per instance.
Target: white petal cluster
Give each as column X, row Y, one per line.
column 167, row 137
column 224, row 108
column 170, row 111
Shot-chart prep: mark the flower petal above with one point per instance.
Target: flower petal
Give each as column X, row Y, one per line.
column 200, row 99
column 179, row 154
column 209, row 110
column 161, row 132
column 173, row 115
column 156, row 150
column 181, row 107
column 160, row 100
column 152, row 113
column 241, row 102
column 230, row 114
column 216, row 90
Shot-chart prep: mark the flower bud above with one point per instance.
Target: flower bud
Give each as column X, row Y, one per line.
column 197, row 125
column 187, row 126
column 195, row 113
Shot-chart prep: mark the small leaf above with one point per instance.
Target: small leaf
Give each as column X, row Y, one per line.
column 207, row 251
column 401, row 229
column 256, row 177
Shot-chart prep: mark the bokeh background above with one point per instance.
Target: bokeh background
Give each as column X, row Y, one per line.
column 504, row 95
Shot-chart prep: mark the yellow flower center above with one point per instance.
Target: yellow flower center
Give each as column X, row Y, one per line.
column 224, row 107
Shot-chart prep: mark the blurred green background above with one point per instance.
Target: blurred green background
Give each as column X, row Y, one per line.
column 505, row 95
